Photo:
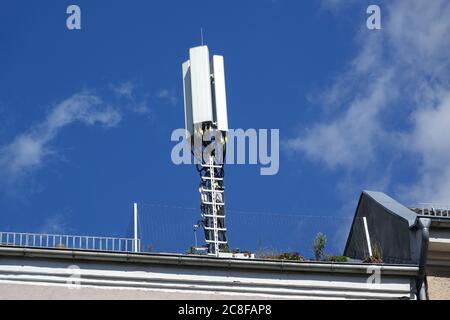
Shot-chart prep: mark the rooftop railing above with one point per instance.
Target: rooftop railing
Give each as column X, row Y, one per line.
column 432, row 209
column 69, row 242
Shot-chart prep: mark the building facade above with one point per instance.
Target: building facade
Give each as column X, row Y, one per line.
column 33, row 273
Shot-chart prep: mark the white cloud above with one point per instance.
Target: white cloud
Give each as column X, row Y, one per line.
column 168, row 95
column 418, row 34
column 29, row 150
column 402, row 69
column 125, row 89
column 430, row 138
column 131, row 99
column 347, row 140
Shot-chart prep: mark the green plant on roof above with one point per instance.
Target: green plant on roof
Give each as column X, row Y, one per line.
column 377, row 255
column 290, row 256
column 273, row 254
column 319, row 245
column 336, row 258
column 191, row 250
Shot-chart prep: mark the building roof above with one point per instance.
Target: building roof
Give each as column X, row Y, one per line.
column 392, row 206
column 390, row 226
column 203, row 261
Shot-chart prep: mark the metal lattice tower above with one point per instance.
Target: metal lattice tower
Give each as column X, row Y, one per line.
column 212, row 203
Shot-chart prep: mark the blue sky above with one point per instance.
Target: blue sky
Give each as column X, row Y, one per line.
column 86, row 115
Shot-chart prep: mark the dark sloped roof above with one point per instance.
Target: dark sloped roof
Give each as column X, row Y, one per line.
column 393, row 206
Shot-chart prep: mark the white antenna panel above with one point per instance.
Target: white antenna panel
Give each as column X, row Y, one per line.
column 200, row 76
column 188, row 121
column 220, row 98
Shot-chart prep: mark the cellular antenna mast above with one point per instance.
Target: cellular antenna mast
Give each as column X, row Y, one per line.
column 205, row 110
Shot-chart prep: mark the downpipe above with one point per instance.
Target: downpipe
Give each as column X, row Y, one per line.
column 421, row 284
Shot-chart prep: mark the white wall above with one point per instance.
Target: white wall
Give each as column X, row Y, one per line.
column 30, row 278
